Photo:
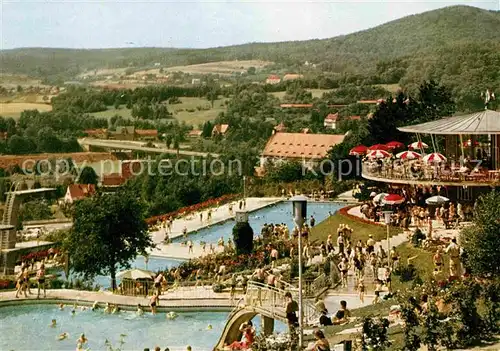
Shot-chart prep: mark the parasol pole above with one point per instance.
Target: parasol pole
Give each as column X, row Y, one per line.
column 462, row 148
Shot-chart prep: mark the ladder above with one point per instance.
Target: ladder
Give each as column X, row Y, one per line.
column 9, row 203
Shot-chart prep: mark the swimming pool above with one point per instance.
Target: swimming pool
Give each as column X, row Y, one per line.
column 279, row 213
column 27, row 327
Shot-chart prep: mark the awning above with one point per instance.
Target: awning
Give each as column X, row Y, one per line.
column 484, row 122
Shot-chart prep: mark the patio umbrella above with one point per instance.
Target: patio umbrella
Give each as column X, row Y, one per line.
column 395, row 145
column 135, row 274
column 378, row 154
column 434, row 157
column 358, row 150
column 408, row 155
column 436, row 200
column 418, row 145
column 378, row 147
column 379, row 197
column 393, row 199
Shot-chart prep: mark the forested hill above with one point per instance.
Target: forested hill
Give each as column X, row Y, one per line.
column 449, row 31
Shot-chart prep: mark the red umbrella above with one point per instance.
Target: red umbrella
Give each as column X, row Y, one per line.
column 393, row 199
column 408, row 155
column 418, row 145
column 395, row 145
column 378, row 147
column 378, row 154
column 358, row 150
column 434, row 157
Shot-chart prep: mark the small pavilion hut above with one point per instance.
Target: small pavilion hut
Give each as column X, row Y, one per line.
column 136, row 282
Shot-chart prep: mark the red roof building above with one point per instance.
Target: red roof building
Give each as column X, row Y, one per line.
column 113, row 180
column 220, row 129
column 273, row 79
column 79, row 191
column 146, row 134
column 330, row 121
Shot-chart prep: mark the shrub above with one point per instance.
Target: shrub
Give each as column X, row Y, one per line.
column 406, row 273
column 374, row 336
column 417, row 238
column 217, row 288
column 243, row 238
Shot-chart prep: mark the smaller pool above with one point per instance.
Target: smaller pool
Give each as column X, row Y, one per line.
column 280, row 213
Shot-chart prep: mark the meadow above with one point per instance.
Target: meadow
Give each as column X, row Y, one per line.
column 14, row 109
column 181, row 111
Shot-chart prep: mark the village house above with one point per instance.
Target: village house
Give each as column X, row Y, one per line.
column 220, row 129
column 273, row 79
column 122, row 133
column 76, row 192
column 97, row 133
column 330, row 121
column 129, row 169
column 292, row 76
column 146, row 134
column 309, row 149
column 195, row 133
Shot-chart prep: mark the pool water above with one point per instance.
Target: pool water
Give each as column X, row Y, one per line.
column 27, row 327
column 279, row 213
column 155, row 264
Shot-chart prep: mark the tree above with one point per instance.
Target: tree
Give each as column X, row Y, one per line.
column 251, row 70
column 243, row 238
column 207, row 129
column 480, row 240
column 108, row 232
column 88, row 176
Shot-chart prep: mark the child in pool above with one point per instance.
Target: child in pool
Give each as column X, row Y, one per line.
column 63, row 336
column 139, row 311
column 54, row 323
column 61, row 307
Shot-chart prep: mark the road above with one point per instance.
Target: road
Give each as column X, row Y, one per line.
column 138, row 146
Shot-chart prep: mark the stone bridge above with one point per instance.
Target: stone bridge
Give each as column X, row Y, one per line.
column 269, row 303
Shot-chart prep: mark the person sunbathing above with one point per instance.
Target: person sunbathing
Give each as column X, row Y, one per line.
column 342, row 315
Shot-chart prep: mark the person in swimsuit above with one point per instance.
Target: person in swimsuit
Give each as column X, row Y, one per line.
column 321, row 343
column 158, row 280
column 248, row 337
column 155, row 301
column 40, row 276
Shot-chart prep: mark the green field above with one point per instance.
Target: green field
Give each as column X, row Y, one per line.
column 316, row 93
column 179, row 110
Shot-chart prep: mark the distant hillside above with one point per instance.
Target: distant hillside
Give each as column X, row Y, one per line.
column 417, row 42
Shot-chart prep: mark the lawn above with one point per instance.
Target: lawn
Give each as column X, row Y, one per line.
column 14, row 109
column 315, row 93
column 179, row 110
column 361, row 229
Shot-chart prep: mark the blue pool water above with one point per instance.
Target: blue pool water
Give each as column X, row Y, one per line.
column 27, row 327
column 280, row 213
column 155, row 264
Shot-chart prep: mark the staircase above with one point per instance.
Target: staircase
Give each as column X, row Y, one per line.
column 9, row 203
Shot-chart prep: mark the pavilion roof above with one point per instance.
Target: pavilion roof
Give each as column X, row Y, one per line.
column 484, row 122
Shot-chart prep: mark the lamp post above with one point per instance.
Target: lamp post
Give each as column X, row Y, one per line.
column 387, row 219
column 299, row 215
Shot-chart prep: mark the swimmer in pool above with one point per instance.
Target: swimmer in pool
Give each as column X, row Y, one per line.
column 61, row 307
column 82, row 339
column 54, row 323
column 209, row 327
column 108, row 308
column 95, row 306
column 116, row 309
column 139, row 311
column 63, row 336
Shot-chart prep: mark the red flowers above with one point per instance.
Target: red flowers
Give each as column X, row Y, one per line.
column 193, row 208
column 39, row 255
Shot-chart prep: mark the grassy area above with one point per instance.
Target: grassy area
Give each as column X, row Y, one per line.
column 197, row 117
column 393, row 88
column 315, row 93
column 423, row 262
column 179, row 110
column 361, row 231
column 14, row 109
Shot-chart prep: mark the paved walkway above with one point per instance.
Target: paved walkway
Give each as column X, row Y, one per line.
column 192, row 223
column 180, row 298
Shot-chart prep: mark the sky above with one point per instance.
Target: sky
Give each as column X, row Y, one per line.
column 195, row 23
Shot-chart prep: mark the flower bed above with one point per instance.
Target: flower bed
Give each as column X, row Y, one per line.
column 344, row 211
column 39, row 255
column 193, row 208
column 7, row 284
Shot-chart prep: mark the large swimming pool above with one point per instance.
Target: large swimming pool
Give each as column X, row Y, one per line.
column 279, row 213
column 27, row 327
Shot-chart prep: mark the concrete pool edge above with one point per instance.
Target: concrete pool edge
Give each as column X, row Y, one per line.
column 87, row 298
column 124, row 307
